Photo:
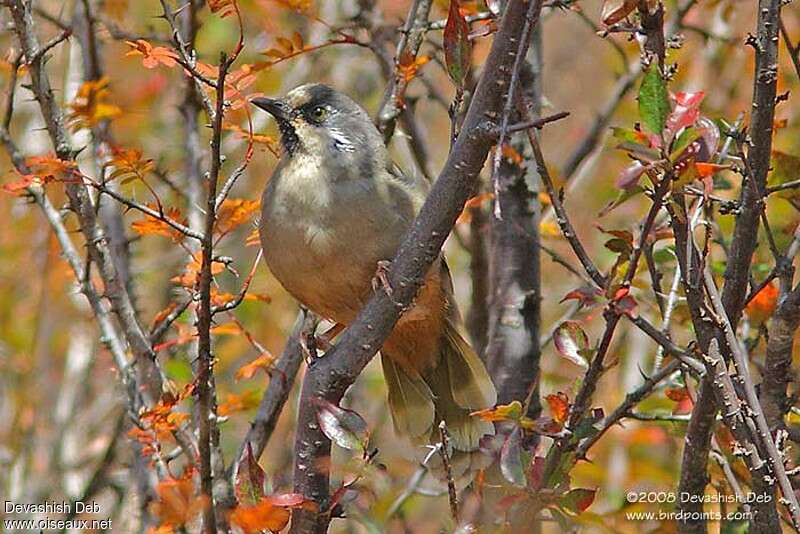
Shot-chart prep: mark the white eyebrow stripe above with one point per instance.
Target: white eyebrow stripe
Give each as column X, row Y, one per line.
column 341, row 140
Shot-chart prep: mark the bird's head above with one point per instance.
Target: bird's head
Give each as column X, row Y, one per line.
column 317, row 119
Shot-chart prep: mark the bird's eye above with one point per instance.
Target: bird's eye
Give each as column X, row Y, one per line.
column 318, row 113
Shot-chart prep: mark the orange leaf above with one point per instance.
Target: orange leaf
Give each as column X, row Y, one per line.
column 559, row 406
column 235, row 211
column 153, row 226
column 232, row 329
column 762, row 306
column 249, row 370
column 408, row 66
column 271, row 513
column 177, row 504
column 238, row 403
column 704, row 170
column 163, row 314
column 152, row 56
column 473, row 203
column 191, row 273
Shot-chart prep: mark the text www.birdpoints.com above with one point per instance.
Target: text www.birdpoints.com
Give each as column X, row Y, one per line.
column 745, row 513
column 18, row 516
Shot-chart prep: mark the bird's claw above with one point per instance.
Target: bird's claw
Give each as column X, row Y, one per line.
column 381, row 278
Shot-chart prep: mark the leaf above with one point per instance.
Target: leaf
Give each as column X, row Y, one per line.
column 686, row 111
column 127, row 164
column 511, row 459
column 235, row 403
column 286, row 48
column 502, row 412
column 682, row 397
column 536, row 473
column 763, row 304
column 473, row 203
column 225, row 8
column 623, row 197
column 615, row 10
column 629, row 176
column 707, row 170
column 250, row 478
column 344, row 427
column 153, row 226
column 785, row 168
column 191, row 274
column 457, row 48
column 578, row 500
column 408, row 66
column 249, row 370
column 653, row 101
column 630, row 136
column 177, row 504
column 235, row 211
column 627, row 305
column 300, row 6
column 559, row 406
column 91, row 105
column 571, row 342
column 231, row 329
column 152, row 56
column 271, row 513
column 586, row 295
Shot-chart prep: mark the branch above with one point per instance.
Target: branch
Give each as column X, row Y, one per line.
column 624, row 84
column 282, row 377
column 751, row 204
column 624, row 409
column 412, row 36
column 206, row 402
column 331, row 375
column 80, row 200
column 774, row 457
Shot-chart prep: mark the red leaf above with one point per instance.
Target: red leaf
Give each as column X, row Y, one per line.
column 686, row 111
column 457, row 48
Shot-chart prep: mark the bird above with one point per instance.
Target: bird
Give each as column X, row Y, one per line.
column 333, row 214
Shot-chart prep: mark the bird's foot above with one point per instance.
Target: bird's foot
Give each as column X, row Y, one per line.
column 381, row 278
column 324, row 340
column 312, row 344
column 308, row 344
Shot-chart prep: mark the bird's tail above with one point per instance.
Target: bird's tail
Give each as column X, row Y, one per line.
column 452, row 388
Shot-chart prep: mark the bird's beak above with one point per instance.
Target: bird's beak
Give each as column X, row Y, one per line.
column 275, row 107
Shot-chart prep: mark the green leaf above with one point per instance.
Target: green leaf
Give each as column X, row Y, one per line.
column 250, row 479
column 457, row 48
column 623, row 197
column 785, row 168
column 344, row 427
column 630, row 136
column 578, row 500
column 687, row 136
column 653, row 101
